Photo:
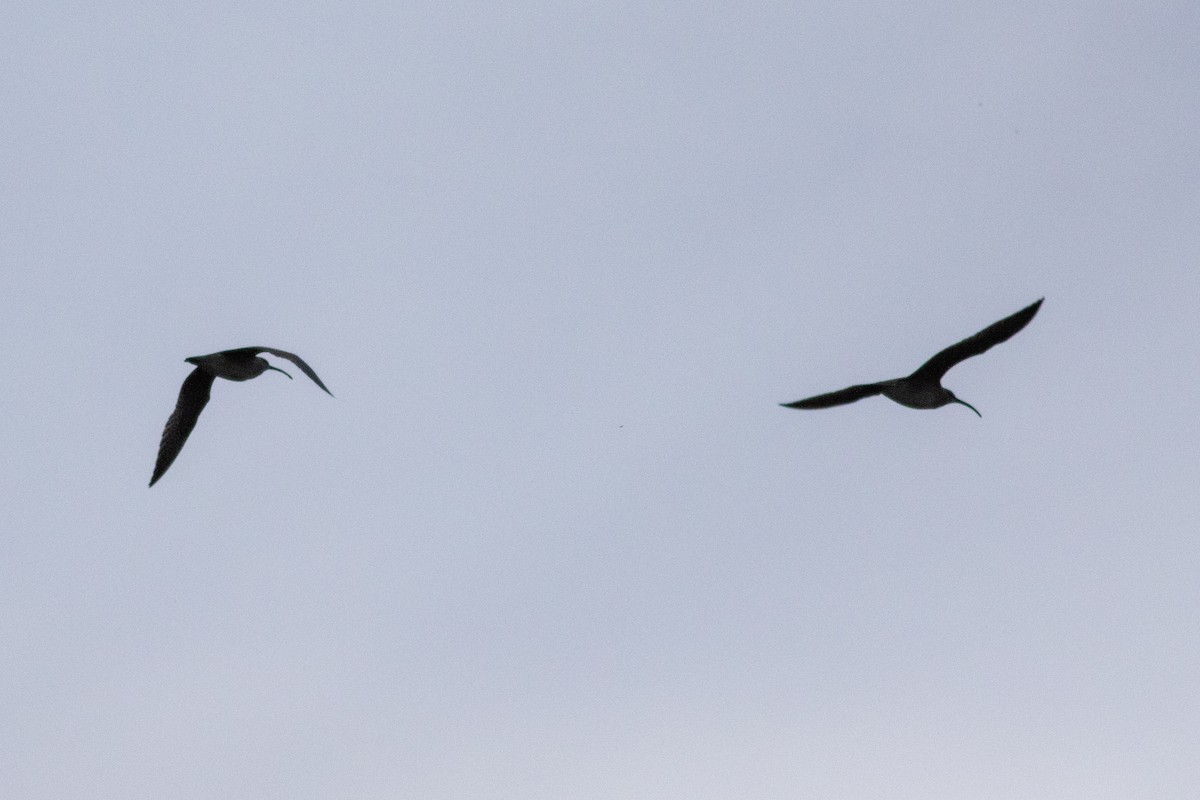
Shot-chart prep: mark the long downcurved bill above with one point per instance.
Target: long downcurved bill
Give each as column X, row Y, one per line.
column 968, row 405
column 277, row 369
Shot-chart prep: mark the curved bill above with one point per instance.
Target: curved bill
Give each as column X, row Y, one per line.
column 277, row 369
column 968, row 405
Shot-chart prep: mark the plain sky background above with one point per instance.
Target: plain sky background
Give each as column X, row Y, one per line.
column 554, row 537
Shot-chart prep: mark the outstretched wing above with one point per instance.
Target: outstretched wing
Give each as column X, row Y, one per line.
column 295, row 359
column 994, row 334
column 838, row 398
column 192, row 399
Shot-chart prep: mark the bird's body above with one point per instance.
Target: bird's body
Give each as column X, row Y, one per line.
column 916, row 394
column 923, row 388
column 232, row 365
column 240, row 364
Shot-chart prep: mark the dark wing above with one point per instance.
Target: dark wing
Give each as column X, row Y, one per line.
column 994, row 334
column 192, row 399
column 839, row 398
column 295, row 359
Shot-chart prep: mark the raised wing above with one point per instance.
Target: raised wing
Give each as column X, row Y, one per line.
column 839, row 398
column 295, row 359
column 192, row 399
column 994, row 334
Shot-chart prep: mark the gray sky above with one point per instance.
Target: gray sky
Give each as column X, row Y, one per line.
column 559, row 262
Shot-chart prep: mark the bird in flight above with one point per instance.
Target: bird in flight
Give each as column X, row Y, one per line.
column 923, row 388
column 241, row 364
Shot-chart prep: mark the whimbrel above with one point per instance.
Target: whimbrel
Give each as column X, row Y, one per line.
column 923, row 389
column 241, row 364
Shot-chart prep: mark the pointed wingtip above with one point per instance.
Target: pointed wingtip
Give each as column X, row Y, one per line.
column 1030, row 311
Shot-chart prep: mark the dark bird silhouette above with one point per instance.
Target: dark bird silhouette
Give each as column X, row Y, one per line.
column 241, row 364
column 923, row 389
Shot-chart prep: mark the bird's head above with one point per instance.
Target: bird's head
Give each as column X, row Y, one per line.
column 277, row 369
column 954, row 399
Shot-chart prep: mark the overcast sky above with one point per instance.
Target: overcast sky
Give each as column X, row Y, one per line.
column 559, row 262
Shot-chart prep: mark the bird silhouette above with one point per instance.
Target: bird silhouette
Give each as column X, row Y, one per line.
column 240, row 364
column 923, row 388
